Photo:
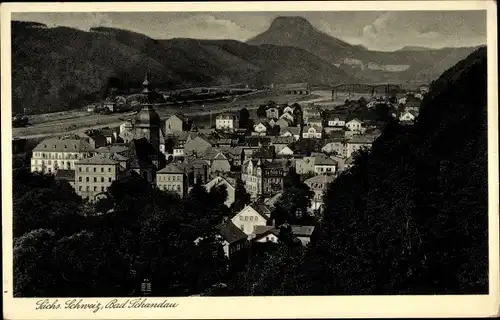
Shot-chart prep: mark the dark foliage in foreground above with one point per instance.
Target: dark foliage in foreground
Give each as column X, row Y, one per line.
column 65, row 247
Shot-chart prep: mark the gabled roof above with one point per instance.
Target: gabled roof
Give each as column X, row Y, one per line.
column 292, row 130
column 98, row 159
column 226, row 116
column 219, row 156
column 318, row 129
column 323, row 160
column 355, row 119
column 230, row 232
column 272, row 201
column 262, row 231
column 171, row 168
column 321, row 179
column 261, row 209
column 333, row 116
column 306, row 231
column 64, row 145
column 112, row 149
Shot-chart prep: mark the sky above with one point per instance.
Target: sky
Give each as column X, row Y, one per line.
column 376, row 30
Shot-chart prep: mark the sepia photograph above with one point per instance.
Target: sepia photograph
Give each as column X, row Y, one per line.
column 166, row 156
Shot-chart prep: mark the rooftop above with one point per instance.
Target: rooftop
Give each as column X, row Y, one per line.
column 230, row 232
column 64, row 145
column 98, row 159
column 171, row 168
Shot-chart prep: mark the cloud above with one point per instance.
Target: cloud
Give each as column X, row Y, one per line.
column 207, row 26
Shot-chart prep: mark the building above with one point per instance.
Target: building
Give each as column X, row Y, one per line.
column 260, row 128
column 357, row 143
column 314, row 121
column 289, row 110
column 354, row 125
column 287, row 115
column 60, row 153
column 254, row 214
column 146, row 124
column 324, row 164
column 336, row 120
column 272, row 113
column 94, row 175
column 304, row 165
column 230, row 187
column 234, row 240
column 312, row 132
column 283, row 123
column 225, row 122
column 265, row 234
column 262, row 177
column 311, row 111
column 143, row 159
column 219, row 164
column 318, row 184
column 173, row 179
column 176, row 123
column 303, row 233
column 290, row 132
column 407, row 116
column 200, row 170
column 197, row 146
column 335, row 146
column 281, row 142
column 286, row 151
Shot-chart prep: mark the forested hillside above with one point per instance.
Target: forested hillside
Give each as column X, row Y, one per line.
column 62, row 68
column 410, row 217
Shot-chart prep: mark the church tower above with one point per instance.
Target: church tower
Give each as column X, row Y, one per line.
column 147, row 122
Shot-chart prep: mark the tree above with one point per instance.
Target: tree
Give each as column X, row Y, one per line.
column 244, row 119
column 241, row 196
column 261, row 111
column 33, row 269
column 295, row 201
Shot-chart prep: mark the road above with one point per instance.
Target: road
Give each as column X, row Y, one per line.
column 78, row 121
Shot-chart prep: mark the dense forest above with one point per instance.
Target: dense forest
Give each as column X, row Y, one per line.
column 410, row 217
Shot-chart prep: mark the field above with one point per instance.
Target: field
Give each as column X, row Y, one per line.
column 53, row 124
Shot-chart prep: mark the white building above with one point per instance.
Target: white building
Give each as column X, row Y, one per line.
column 230, row 187
column 312, row 132
column 60, row 153
column 354, row 125
column 225, row 122
column 251, row 216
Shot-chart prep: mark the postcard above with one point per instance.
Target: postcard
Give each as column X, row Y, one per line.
column 250, row 160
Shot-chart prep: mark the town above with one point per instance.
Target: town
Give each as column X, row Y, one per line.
column 250, row 155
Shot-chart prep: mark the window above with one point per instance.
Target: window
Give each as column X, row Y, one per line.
column 87, row 188
column 86, row 169
column 79, row 169
column 109, row 169
column 49, row 162
column 102, row 169
column 251, row 218
column 95, row 188
column 110, row 179
column 178, row 188
column 80, row 179
column 102, row 179
column 87, row 179
column 80, row 188
column 95, row 179
column 95, row 169
column 102, row 188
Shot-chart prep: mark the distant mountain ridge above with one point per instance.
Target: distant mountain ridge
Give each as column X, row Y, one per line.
column 63, row 68
column 402, row 66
